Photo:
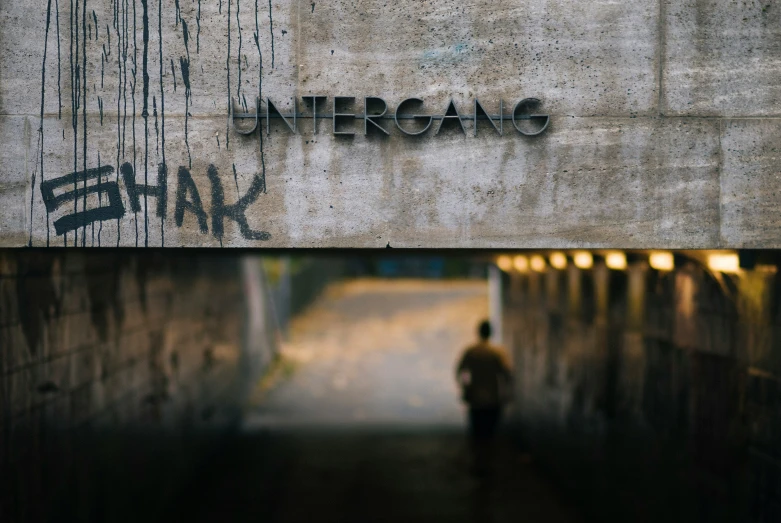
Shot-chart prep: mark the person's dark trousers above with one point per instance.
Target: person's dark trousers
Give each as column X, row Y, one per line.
column 483, row 422
column 482, row 429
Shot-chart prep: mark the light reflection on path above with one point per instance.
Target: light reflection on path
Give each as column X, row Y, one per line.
column 374, row 351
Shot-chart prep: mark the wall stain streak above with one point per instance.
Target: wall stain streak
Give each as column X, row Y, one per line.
column 74, row 114
column 238, row 53
column 82, row 19
column 186, row 37
column 163, row 166
column 260, row 95
column 145, row 113
column 119, row 99
column 40, row 126
column 125, row 44
column 157, row 128
column 124, row 75
column 84, row 116
column 184, row 64
column 59, row 88
column 228, row 67
column 271, row 32
column 133, row 96
column 100, row 199
column 198, row 30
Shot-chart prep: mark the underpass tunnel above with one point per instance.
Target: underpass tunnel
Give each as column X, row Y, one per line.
column 235, row 387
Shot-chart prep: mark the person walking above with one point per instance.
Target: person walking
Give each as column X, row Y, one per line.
column 485, row 378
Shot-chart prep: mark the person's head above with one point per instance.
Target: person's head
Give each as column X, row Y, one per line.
column 484, row 330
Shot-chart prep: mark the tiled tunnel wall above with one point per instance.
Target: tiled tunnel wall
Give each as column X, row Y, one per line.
column 652, row 396
column 119, row 374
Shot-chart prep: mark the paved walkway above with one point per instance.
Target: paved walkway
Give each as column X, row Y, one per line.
column 367, row 428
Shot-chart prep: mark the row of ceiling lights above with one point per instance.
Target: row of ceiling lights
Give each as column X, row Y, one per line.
column 660, row 260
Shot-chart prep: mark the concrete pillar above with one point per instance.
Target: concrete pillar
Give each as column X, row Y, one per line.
column 255, row 342
column 495, row 301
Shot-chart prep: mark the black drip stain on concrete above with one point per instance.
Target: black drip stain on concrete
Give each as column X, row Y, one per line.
column 198, row 30
column 162, row 103
column 271, row 32
column 40, row 128
column 59, row 73
column 238, row 52
column 81, row 21
column 184, row 65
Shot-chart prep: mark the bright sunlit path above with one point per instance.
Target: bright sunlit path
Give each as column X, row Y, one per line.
column 373, row 351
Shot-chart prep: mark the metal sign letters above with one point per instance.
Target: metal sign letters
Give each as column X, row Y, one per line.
column 375, row 113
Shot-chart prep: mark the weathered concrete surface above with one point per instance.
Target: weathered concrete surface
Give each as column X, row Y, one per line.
column 751, row 182
column 722, row 58
column 585, row 59
column 614, row 76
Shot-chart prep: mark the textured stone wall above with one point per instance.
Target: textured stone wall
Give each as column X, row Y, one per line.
column 118, row 373
column 652, row 396
column 663, row 124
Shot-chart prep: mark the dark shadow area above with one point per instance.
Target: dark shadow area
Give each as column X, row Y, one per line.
column 382, row 474
column 225, row 386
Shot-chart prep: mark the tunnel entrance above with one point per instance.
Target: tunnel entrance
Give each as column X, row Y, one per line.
column 364, row 422
column 223, row 385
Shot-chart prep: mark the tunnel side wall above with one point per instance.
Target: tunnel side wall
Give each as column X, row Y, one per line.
column 651, row 396
column 120, row 373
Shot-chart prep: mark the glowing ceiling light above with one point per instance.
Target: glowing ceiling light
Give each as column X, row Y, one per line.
column 521, row 263
column 537, row 263
column 724, row 262
column 505, row 263
column 662, row 261
column 583, row 260
column 558, row 260
column 616, row 260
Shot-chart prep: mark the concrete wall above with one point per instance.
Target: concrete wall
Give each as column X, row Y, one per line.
column 118, row 374
column 652, row 396
column 663, row 123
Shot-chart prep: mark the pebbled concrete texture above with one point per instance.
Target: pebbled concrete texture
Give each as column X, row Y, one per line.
column 752, row 148
column 640, row 95
column 722, row 58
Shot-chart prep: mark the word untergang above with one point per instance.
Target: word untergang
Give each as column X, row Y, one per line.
column 375, row 110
